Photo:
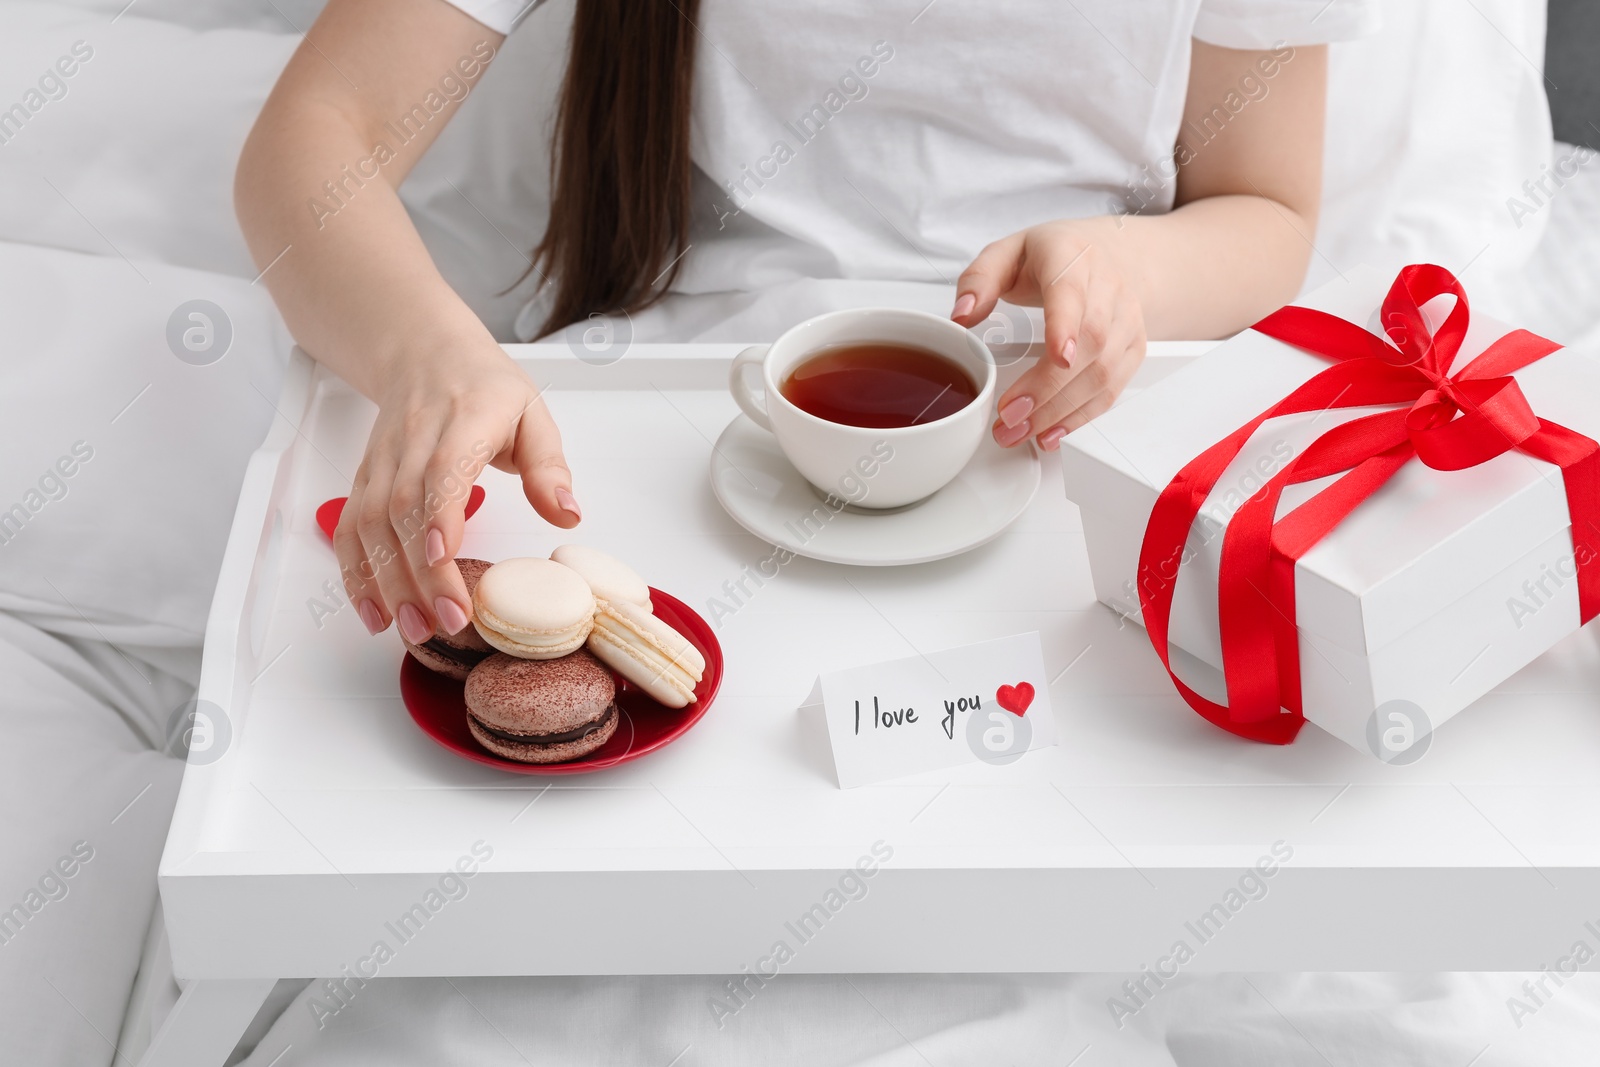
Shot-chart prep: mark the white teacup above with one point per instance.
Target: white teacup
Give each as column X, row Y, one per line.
column 870, row 467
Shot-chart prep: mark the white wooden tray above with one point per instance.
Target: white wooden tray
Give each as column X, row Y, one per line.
column 329, row 814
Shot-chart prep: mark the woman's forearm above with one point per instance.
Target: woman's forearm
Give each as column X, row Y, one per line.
column 358, row 105
column 356, row 286
column 1211, row 267
column 1238, row 242
column 361, row 100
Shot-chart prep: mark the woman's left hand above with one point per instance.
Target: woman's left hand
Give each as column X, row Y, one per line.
column 1093, row 325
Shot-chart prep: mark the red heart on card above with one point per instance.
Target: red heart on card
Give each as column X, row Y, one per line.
column 329, row 511
column 1015, row 698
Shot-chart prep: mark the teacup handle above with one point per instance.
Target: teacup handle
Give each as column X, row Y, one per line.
column 751, row 403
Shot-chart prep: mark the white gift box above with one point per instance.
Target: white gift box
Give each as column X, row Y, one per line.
column 1432, row 592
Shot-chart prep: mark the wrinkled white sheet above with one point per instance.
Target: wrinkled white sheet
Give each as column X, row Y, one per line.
column 87, row 798
column 1266, row 1020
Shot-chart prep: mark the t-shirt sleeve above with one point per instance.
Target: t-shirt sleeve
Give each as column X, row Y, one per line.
column 1263, row 24
column 498, row 15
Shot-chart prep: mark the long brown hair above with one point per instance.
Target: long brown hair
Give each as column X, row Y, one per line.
column 620, row 172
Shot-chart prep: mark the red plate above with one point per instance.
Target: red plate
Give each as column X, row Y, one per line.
column 437, row 704
column 328, row 511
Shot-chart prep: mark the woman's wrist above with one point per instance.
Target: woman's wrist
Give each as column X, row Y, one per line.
column 453, row 348
column 1109, row 235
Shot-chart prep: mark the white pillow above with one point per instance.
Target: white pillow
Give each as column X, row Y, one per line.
column 123, row 462
column 137, row 157
column 148, row 159
column 1433, row 124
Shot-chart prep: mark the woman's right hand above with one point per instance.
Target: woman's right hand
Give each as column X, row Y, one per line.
column 444, row 413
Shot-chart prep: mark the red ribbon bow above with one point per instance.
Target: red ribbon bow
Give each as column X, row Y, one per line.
column 1451, row 422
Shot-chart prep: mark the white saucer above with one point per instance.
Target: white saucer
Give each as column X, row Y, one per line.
column 765, row 494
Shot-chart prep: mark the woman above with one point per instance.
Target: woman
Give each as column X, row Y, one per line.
column 1149, row 168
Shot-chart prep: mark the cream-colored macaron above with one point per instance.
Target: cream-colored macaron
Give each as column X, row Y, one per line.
column 647, row 652
column 533, row 608
column 609, row 577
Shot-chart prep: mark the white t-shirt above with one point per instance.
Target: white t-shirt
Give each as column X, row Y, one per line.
column 836, row 139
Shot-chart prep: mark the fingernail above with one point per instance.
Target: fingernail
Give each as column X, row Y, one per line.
column 370, row 618
column 1006, row 436
column 964, row 305
column 1068, row 349
column 1016, row 409
column 451, row 617
column 1050, row 440
column 413, row 627
column 568, row 502
column 435, row 547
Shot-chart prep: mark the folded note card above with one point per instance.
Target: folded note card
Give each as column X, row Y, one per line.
column 983, row 703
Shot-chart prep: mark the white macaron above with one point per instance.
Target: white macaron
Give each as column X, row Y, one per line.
column 533, row 608
column 609, row 577
column 647, row 652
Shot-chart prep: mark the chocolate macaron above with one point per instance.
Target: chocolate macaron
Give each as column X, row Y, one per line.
column 541, row 710
column 454, row 655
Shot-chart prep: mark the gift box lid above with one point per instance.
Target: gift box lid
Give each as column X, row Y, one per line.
column 1420, row 543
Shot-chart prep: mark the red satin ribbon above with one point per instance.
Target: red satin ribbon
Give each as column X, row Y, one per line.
column 1452, row 421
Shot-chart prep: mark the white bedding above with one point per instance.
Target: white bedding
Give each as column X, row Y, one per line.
column 105, row 582
column 1558, row 293
column 1264, row 1020
column 84, row 791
